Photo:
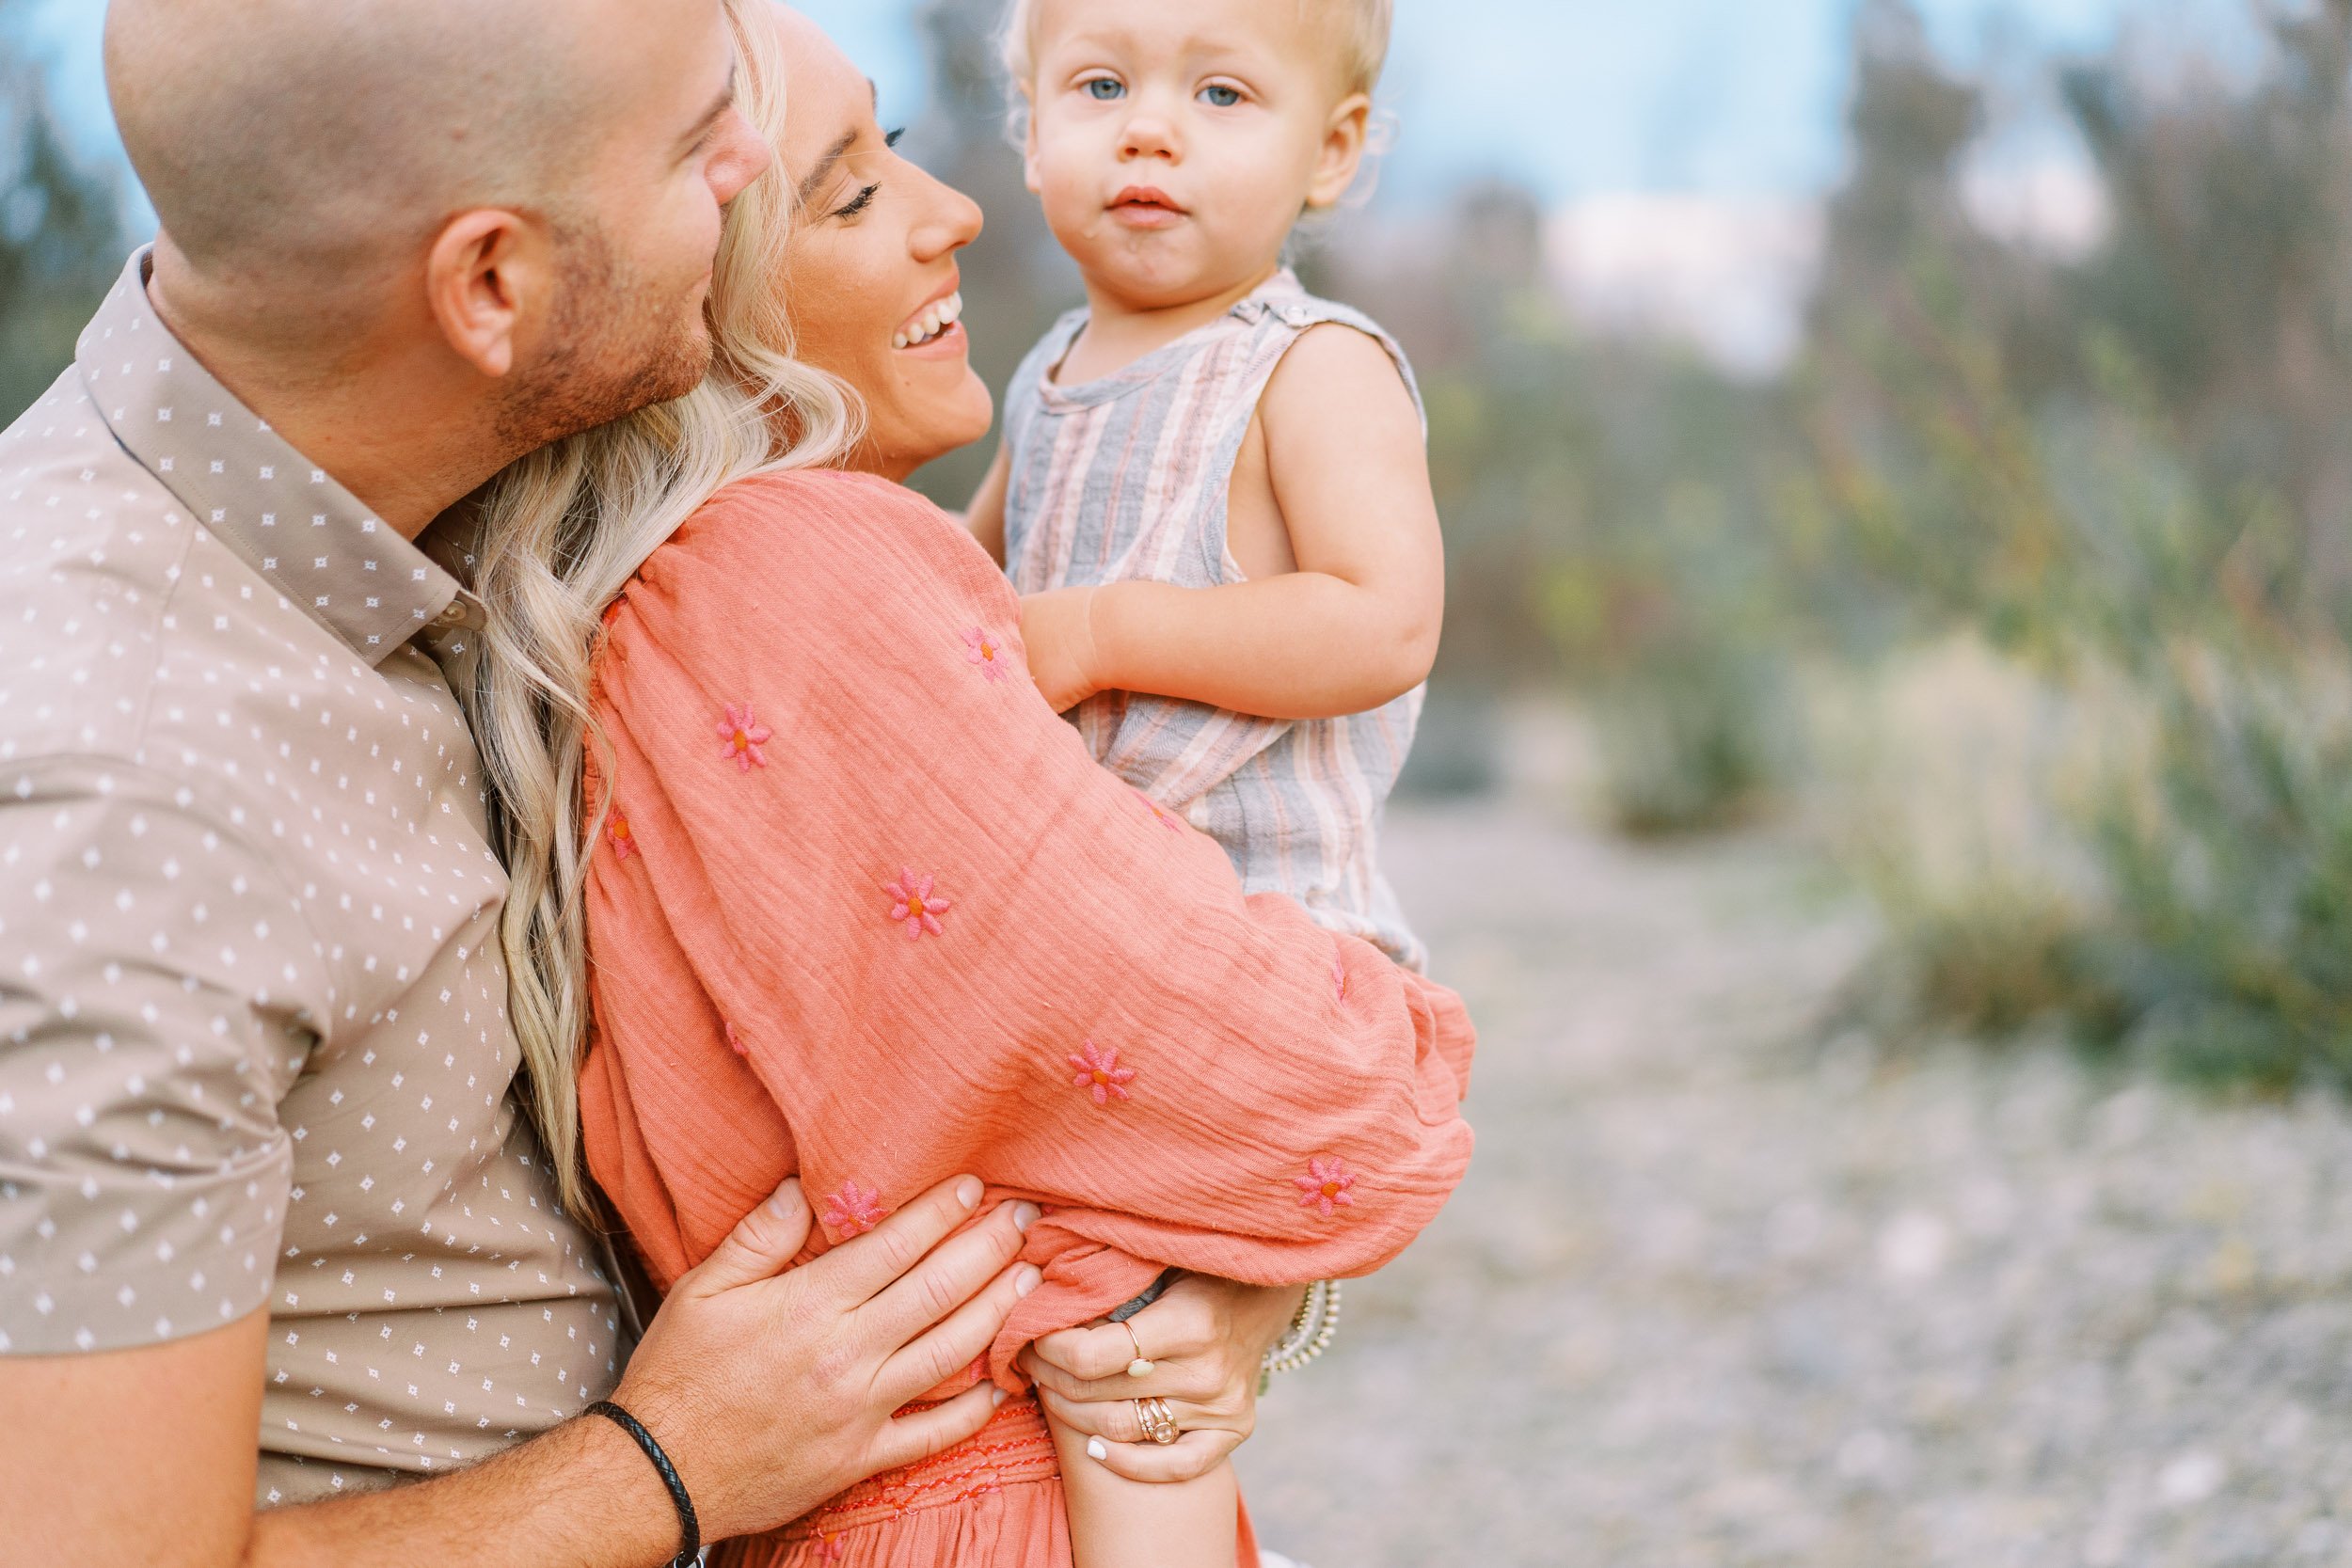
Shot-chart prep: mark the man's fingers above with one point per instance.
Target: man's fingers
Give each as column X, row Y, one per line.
column 956, row 1271
column 756, row 1249
column 938, row 1354
column 905, row 1439
column 857, row 1270
column 1189, row 1458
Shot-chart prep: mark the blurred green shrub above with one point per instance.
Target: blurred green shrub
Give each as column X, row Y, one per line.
column 2226, row 950
column 2008, row 953
column 1691, row 743
column 2136, row 467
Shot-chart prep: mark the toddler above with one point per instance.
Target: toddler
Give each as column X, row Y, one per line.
column 1214, row 494
column 1214, row 488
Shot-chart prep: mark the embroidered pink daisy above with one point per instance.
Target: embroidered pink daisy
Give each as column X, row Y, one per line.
column 735, row 1042
column 624, row 842
column 853, row 1210
column 741, row 736
column 1099, row 1072
column 1324, row 1187
column 986, row 651
column 915, row 905
column 830, row 1549
column 1166, row 818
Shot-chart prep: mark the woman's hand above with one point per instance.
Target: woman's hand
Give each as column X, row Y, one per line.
column 1205, row 1340
column 1057, row 629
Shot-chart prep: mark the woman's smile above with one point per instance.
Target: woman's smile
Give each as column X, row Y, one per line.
column 874, row 298
column 936, row 326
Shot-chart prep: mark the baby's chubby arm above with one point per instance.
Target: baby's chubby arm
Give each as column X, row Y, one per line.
column 985, row 517
column 1354, row 626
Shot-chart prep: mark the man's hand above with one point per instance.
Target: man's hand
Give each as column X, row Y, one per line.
column 772, row 1391
column 1205, row 1339
column 1057, row 629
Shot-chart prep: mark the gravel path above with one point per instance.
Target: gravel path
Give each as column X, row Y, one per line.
column 1719, row 1293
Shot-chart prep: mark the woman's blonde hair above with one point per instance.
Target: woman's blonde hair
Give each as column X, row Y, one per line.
column 560, row 532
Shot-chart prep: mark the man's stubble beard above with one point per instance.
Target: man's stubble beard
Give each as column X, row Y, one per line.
column 613, row 349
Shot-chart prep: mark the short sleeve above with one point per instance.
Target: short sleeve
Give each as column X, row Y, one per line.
column 147, row 963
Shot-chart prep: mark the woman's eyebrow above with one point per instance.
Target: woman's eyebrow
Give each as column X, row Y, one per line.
column 815, row 178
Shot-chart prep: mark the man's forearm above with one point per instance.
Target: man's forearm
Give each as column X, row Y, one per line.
column 581, row 1497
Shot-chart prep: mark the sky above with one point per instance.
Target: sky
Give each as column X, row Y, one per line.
column 1575, row 98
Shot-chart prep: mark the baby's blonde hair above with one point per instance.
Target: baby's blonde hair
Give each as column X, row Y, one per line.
column 1365, row 38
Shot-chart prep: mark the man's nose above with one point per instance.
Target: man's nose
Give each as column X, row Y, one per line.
column 744, row 159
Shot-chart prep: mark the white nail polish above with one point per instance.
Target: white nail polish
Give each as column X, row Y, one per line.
column 1095, row 1449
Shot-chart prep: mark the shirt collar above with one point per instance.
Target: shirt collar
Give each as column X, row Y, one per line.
column 310, row 537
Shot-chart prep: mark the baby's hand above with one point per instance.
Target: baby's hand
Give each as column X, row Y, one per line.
column 1058, row 629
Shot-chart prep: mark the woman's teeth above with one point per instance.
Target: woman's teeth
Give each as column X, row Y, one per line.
column 931, row 324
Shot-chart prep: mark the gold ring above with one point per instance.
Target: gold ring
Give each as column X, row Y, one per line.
column 1142, row 1365
column 1157, row 1423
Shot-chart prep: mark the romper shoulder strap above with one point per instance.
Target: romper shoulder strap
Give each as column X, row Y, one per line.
column 1286, row 301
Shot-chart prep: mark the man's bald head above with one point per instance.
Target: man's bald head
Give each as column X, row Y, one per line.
column 321, row 141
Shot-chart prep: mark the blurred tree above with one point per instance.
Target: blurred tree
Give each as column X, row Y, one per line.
column 2226, row 296
column 60, row 231
column 1608, row 509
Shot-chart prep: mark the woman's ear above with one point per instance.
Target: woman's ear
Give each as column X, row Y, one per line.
column 1343, row 138
column 488, row 274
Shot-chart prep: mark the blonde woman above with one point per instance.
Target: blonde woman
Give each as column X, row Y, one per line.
column 809, row 879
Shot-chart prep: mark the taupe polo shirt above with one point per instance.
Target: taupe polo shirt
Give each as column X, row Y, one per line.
column 253, row 1038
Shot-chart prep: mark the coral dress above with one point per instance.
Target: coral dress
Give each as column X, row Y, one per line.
column 866, row 910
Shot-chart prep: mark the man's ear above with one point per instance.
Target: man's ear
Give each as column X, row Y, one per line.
column 1342, row 153
column 489, row 274
column 1028, row 144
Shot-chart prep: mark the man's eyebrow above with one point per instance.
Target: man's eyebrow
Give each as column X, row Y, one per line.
column 710, row 116
column 815, row 180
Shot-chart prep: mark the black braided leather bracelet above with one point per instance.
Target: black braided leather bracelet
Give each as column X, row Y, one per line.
column 689, row 1527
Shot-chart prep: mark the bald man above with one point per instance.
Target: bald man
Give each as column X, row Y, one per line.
column 260, row 1165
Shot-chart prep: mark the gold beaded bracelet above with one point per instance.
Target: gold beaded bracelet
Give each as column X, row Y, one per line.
column 1309, row 1335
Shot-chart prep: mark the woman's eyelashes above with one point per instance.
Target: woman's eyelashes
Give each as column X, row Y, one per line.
column 865, row 195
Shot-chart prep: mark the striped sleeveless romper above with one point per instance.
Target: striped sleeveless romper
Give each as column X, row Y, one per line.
column 1126, row 478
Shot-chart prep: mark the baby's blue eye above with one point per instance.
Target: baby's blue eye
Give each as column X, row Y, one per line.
column 1221, row 97
column 1104, row 89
